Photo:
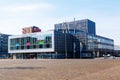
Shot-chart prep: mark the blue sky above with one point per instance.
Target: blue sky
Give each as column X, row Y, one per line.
column 16, row 14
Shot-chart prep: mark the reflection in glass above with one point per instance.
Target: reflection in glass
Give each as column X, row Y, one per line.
column 31, row 42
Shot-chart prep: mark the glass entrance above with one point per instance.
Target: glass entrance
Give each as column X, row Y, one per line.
column 30, row 56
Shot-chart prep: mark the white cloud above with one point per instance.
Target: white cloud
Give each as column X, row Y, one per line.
column 31, row 7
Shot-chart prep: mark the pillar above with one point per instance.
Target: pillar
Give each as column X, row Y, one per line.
column 22, row 56
column 98, row 54
column 14, row 56
column 56, row 54
column 94, row 54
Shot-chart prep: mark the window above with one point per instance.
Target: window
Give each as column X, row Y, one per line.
column 31, row 42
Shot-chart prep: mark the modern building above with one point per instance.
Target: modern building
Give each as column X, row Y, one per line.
column 85, row 25
column 86, row 42
column 75, row 39
column 4, row 45
column 99, row 45
column 49, row 44
column 31, row 29
column 117, row 53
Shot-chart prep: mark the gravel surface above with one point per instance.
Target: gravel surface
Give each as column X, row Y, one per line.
column 60, row 69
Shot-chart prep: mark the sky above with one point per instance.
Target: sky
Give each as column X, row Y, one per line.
column 16, row 14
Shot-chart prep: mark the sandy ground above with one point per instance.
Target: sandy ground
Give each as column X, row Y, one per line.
column 62, row 69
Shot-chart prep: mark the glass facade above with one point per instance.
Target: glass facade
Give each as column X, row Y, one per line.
column 33, row 41
column 4, row 46
column 75, row 39
column 84, row 32
column 84, row 25
column 50, row 44
column 98, row 42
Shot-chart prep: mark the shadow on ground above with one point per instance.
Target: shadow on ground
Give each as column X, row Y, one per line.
column 31, row 68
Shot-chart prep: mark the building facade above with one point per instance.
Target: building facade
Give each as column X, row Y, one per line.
column 87, row 43
column 50, row 44
column 85, row 25
column 99, row 45
column 4, row 45
column 75, row 39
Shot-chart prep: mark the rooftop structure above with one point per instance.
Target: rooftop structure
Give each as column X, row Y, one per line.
column 31, row 29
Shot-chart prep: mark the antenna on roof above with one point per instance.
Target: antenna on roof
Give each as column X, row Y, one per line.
column 74, row 19
column 74, row 25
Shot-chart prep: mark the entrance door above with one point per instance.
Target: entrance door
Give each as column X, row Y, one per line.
column 30, row 56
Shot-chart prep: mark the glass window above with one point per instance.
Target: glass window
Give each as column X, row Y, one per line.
column 31, row 42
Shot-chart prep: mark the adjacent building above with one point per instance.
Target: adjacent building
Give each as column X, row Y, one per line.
column 4, row 45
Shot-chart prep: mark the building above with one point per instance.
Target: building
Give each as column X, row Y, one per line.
column 117, row 53
column 99, row 45
column 75, row 39
column 4, row 45
column 31, row 29
column 85, row 25
column 86, row 42
column 49, row 44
